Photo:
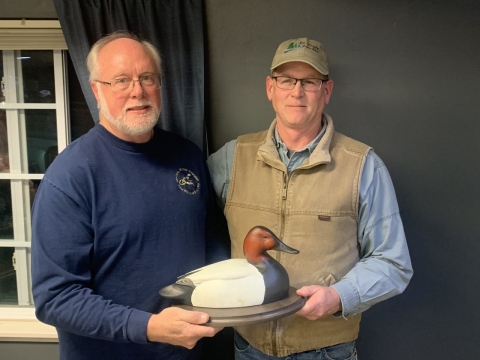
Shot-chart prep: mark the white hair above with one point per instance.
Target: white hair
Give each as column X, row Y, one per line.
column 92, row 63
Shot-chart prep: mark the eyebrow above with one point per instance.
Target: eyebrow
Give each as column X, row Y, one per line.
column 122, row 74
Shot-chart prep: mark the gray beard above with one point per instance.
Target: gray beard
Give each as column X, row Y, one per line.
column 142, row 124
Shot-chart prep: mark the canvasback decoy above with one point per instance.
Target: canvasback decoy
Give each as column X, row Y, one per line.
column 258, row 279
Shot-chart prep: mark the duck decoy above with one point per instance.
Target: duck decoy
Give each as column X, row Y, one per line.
column 258, row 279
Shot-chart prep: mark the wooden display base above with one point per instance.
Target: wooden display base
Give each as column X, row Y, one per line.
column 251, row 314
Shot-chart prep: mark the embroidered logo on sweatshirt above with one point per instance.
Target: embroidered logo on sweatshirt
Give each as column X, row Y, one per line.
column 187, row 181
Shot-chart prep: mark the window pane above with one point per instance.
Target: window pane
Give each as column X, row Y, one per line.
column 38, row 76
column 4, row 165
column 2, row 87
column 41, row 139
column 6, row 223
column 8, row 280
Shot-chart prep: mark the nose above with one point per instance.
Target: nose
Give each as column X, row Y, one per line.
column 297, row 91
column 137, row 89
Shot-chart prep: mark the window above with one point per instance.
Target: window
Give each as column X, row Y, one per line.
column 34, row 128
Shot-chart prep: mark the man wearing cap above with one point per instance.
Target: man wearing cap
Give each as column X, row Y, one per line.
column 323, row 193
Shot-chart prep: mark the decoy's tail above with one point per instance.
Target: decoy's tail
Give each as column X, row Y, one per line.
column 181, row 292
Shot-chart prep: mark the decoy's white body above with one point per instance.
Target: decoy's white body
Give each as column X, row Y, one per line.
column 226, row 284
column 256, row 280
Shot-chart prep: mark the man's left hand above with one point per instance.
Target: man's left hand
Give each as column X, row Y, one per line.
column 322, row 302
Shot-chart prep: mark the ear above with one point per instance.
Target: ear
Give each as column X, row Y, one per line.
column 269, row 87
column 328, row 90
column 94, row 86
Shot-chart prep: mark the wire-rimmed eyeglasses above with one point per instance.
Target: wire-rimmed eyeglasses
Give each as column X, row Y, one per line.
column 288, row 83
column 149, row 83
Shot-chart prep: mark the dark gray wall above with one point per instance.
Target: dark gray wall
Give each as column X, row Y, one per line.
column 407, row 82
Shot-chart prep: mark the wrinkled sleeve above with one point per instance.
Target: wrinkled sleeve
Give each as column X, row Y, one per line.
column 62, row 241
column 216, row 230
column 220, row 164
column 385, row 268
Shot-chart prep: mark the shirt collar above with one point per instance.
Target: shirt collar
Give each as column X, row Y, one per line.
column 310, row 147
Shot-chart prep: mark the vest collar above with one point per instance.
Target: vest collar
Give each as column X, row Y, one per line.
column 268, row 151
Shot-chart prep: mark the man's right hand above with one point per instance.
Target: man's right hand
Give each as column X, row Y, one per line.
column 179, row 327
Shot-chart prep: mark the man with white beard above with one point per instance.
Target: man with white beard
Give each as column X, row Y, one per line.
column 120, row 213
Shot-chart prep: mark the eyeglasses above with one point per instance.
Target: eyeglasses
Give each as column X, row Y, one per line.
column 288, row 83
column 149, row 83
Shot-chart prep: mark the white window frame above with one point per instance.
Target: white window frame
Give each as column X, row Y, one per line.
column 18, row 323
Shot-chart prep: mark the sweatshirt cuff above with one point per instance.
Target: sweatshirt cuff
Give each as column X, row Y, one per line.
column 137, row 326
column 349, row 297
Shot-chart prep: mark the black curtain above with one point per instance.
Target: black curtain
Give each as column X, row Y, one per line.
column 174, row 27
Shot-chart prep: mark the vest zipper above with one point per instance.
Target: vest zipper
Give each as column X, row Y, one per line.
column 286, row 179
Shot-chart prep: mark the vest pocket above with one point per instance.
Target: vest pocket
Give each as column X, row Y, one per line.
column 345, row 351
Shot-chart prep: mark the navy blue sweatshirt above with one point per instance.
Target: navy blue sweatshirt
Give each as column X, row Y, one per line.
column 114, row 222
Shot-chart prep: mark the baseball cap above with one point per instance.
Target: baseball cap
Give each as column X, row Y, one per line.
column 304, row 50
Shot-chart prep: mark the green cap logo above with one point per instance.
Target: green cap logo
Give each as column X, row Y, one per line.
column 291, row 46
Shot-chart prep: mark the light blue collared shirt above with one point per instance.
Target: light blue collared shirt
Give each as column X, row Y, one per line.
column 294, row 159
column 384, row 269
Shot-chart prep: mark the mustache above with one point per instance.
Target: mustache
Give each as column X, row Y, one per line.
column 140, row 103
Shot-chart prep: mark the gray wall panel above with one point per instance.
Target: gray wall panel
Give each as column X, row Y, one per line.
column 407, row 80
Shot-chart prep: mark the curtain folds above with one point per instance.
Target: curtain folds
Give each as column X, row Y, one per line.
column 174, row 27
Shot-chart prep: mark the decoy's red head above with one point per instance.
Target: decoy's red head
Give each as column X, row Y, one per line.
column 261, row 239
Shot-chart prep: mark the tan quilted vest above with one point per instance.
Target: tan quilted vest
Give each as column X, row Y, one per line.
column 314, row 210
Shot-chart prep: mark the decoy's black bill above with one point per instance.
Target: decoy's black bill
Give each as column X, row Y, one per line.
column 281, row 246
